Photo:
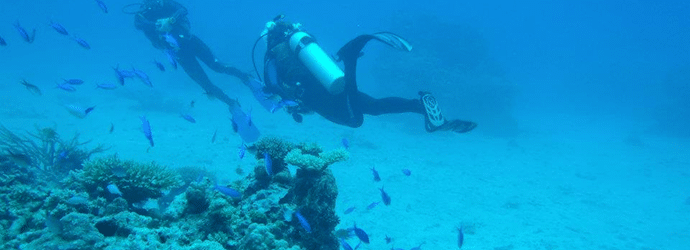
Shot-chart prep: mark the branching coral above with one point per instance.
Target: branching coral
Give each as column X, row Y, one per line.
column 136, row 181
column 319, row 161
column 45, row 150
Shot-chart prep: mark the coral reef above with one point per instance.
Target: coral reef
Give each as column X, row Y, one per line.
column 136, row 181
column 262, row 212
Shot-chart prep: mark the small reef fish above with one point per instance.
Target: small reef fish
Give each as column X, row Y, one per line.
column 146, row 128
column 363, row 236
column 66, row 87
column 461, row 237
column 113, row 189
column 346, row 143
column 188, row 118
column 303, row 221
column 3, row 42
column 119, row 171
column 242, row 151
column 159, row 65
column 213, row 138
column 373, row 205
column 376, row 174
column 25, row 35
column 269, row 164
column 57, row 27
column 384, row 196
column 345, row 245
column 228, row 191
column 418, row 247
column 143, row 77
column 406, row 172
column 31, row 88
column 82, row 42
column 349, row 210
column 106, row 86
column 122, row 74
column 171, row 41
column 388, row 239
column 112, row 128
column 78, row 111
column 19, row 159
column 73, row 81
column 77, row 200
column 102, row 5
column 172, row 58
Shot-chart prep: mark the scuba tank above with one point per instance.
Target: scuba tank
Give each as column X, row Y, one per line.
column 318, row 62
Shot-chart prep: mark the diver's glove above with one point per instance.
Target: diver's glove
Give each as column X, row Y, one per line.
column 165, row 25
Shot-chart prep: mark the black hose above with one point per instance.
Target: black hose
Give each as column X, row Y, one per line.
column 253, row 56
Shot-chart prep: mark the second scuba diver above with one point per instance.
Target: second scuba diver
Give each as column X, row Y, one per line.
column 165, row 24
column 307, row 80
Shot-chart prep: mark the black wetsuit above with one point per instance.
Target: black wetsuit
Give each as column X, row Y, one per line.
column 190, row 49
column 347, row 108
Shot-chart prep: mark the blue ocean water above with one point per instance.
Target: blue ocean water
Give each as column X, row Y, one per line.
column 582, row 111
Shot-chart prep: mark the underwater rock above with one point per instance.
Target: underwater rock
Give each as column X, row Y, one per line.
column 80, row 227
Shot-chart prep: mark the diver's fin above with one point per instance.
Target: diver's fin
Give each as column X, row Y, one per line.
column 265, row 99
column 243, row 125
column 351, row 51
column 434, row 120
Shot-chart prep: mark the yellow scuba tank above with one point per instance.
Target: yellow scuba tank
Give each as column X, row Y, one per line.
column 318, row 62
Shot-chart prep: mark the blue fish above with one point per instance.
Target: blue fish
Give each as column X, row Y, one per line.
column 146, row 128
column 345, row 143
column 384, row 196
column 122, row 74
column 373, row 205
column 269, row 164
column 349, row 210
column 231, row 192
column 63, row 155
column 461, row 237
column 159, row 65
column 172, row 57
column 25, row 35
column 81, row 42
column 3, row 42
column 242, row 150
column 418, row 247
column 107, row 86
column 73, row 81
column 303, row 221
column 345, row 245
column 376, row 174
column 189, row 118
column 102, row 5
column 77, row 200
column 171, row 41
column 143, row 77
column 406, row 172
column 113, row 189
column 66, row 87
column 59, row 28
column 363, row 236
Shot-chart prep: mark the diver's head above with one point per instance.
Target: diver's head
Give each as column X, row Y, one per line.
column 278, row 30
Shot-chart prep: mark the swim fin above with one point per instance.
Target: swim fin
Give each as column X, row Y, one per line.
column 435, row 121
column 243, row 125
column 350, row 52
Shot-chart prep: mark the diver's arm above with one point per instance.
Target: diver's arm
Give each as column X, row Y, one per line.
column 149, row 29
column 180, row 11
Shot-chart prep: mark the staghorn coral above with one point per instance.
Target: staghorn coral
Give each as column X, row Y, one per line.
column 45, row 150
column 136, row 181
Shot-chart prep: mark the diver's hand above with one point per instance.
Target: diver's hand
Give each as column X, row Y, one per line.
column 165, row 24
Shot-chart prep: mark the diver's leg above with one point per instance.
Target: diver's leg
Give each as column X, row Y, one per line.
column 389, row 105
column 203, row 52
column 192, row 67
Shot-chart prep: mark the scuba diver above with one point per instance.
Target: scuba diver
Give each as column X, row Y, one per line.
column 307, row 80
column 165, row 24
